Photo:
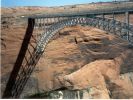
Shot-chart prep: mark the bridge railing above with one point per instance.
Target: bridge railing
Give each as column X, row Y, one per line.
column 124, row 30
column 42, row 30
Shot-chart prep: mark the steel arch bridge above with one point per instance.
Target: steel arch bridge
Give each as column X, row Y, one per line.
column 47, row 26
column 124, row 30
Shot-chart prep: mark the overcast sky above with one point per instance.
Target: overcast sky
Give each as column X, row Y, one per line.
column 49, row 3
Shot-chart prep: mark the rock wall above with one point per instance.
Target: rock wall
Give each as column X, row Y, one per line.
column 87, row 62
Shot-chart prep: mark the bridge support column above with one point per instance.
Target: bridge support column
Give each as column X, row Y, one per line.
column 46, row 23
column 36, row 27
column 50, row 21
column 97, row 22
column 103, row 21
column 44, row 20
column 114, row 23
column 127, row 21
column 40, row 23
column 108, row 24
column 43, row 23
column 54, row 20
column 58, row 19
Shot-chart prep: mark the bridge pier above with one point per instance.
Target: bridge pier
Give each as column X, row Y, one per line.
column 103, row 21
column 108, row 24
column 58, row 19
column 44, row 24
column 98, row 23
column 51, row 25
column 40, row 23
column 114, row 23
column 127, row 22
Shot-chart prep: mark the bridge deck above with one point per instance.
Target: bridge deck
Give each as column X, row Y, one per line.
column 21, row 74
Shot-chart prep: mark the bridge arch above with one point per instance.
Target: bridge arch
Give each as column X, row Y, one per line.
column 109, row 25
column 20, row 73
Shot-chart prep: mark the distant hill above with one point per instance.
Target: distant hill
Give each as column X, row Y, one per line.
column 17, row 11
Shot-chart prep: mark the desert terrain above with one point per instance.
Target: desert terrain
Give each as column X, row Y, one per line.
column 81, row 60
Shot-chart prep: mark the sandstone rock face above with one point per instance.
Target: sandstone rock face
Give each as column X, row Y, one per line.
column 85, row 61
column 95, row 75
column 91, row 59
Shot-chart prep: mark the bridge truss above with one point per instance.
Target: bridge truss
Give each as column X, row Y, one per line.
column 45, row 27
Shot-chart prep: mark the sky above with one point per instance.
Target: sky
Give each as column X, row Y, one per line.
column 48, row 3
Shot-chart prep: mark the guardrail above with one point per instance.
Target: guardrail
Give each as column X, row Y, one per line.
column 44, row 32
column 124, row 30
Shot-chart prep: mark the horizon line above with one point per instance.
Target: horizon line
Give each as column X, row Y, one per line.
column 113, row 1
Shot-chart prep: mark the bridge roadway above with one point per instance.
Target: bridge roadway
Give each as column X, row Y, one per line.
column 20, row 74
column 122, row 29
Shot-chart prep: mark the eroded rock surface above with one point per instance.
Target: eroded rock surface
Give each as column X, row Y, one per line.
column 83, row 60
column 90, row 59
